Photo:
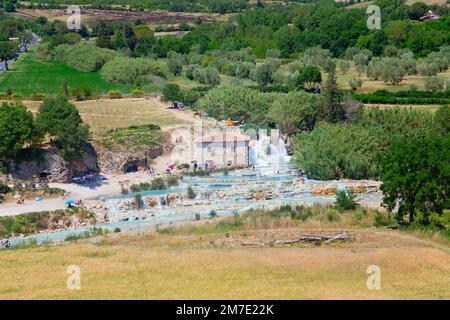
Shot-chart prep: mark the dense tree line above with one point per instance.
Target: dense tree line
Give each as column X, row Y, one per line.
column 56, row 118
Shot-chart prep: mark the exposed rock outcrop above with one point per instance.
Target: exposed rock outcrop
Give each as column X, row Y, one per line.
column 46, row 163
column 115, row 162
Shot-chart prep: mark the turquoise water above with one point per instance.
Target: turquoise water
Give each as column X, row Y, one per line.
column 228, row 194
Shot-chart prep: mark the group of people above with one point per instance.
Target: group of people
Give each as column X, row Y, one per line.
column 5, row 244
column 151, row 171
column 90, row 179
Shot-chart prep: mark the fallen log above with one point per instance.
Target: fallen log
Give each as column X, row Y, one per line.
column 249, row 244
column 327, row 239
column 342, row 236
column 283, row 241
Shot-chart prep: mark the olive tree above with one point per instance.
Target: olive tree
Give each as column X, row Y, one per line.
column 434, row 84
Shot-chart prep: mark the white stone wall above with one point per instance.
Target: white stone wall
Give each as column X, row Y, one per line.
column 222, row 154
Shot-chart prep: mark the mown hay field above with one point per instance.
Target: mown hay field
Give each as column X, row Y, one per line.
column 106, row 114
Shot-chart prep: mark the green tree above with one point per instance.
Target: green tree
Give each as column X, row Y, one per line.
column 8, row 50
column 416, row 176
column 16, row 128
column 396, row 31
column 442, row 119
column 264, row 73
column 211, row 76
column 171, row 92
column 295, row 112
column 9, row 6
column 244, row 69
column 61, row 120
column 175, row 63
column 309, row 77
column 355, row 83
column 336, row 151
column 344, row 65
column 434, row 84
column 72, row 38
column 102, row 40
column 332, row 110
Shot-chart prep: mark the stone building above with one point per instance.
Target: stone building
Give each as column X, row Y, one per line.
column 223, row 150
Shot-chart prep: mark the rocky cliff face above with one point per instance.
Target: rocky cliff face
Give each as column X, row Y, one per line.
column 46, row 163
column 116, row 162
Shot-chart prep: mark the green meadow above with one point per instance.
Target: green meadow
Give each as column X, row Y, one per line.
column 30, row 75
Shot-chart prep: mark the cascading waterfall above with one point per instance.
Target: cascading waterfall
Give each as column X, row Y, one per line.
column 263, row 153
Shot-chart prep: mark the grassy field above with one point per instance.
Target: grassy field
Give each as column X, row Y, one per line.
column 208, row 260
column 106, row 114
column 161, row 266
column 29, row 75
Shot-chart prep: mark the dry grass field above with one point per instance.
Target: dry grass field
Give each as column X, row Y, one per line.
column 106, row 114
column 214, row 266
column 372, row 85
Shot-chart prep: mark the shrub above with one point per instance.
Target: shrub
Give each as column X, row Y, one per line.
column 158, row 184
column 331, row 215
column 212, row 214
column 264, row 73
column 16, row 96
column 383, row 219
column 338, row 151
column 191, row 193
column 83, row 56
column 72, row 38
column 191, row 71
column 137, row 93
column 243, row 70
column 345, row 200
column 355, row 83
column 175, row 63
column 117, row 230
column 405, row 97
column 38, row 96
column 273, row 53
column 172, row 181
column 4, row 188
column 135, row 71
column 114, row 94
column 138, row 202
column 360, row 214
column 82, row 93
